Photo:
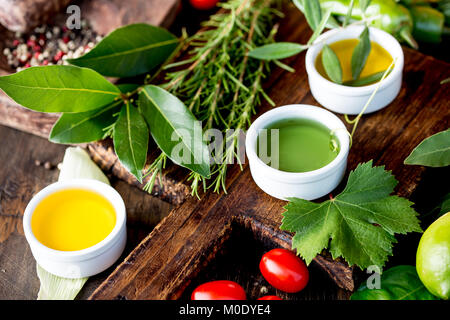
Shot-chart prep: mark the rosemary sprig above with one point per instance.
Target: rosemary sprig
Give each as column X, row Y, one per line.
column 219, row 82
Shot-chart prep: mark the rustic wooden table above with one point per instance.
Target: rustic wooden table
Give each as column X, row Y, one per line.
column 238, row 250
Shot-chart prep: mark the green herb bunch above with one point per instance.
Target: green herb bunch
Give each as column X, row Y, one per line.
column 217, row 83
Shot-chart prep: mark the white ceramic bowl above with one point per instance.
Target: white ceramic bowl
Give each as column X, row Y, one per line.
column 89, row 261
column 305, row 185
column 351, row 100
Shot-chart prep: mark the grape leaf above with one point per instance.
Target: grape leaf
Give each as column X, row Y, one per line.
column 358, row 225
column 434, row 151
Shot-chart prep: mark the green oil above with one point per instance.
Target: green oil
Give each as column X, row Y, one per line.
column 297, row 145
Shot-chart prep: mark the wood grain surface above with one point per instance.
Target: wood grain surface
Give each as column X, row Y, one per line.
column 180, row 249
column 20, row 179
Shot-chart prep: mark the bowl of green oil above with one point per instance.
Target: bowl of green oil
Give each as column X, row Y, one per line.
column 297, row 151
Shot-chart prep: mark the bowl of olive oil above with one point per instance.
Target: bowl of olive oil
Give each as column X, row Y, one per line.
column 297, row 151
column 76, row 228
column 351, row 96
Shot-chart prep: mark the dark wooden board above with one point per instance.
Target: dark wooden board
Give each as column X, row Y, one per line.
column 181, row 247
column 20, row 179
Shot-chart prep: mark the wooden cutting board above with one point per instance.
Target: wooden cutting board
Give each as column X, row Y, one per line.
column 189, row 240
column 187, row 243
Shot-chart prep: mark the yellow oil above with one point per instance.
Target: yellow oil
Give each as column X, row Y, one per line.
column 379, row 59
column 73, row 219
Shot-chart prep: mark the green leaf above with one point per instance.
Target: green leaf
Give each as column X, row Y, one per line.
column 276, row 51
column 175, row 129
column 131, row 140
column 331, row 64
column 432, row 152
column 444, row 205
column 370, row 79
column 358, row 225
column 361, row 53
column 129, row 51
column 313, row 13
column 84, row 127
column 323, row 23
column 364, row 4
column 349, row 13
column 59, row 89
column 397, row 283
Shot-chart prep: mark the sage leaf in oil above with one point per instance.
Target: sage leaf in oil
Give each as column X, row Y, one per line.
column 175, row 129
column 432, row 152
column 130, row 138
column 364, row 81
column 276, row 51
column 361, row 53
column 331, row 64
column 313, row 13
column 129, row 51
column 59, row 89
column 84, row 127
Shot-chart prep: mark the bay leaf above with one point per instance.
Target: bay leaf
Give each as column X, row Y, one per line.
column 432, row 152
column 130, row 139
column 84, row 127
column 175, row 129
column 331, row 64
column 360, row 54
column 59, row 89
column 276, row 51
column 129, row 51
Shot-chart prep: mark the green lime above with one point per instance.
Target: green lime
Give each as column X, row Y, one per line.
column 433, row 257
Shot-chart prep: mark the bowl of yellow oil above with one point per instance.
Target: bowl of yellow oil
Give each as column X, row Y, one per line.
column 76, row 228
column 347, row 98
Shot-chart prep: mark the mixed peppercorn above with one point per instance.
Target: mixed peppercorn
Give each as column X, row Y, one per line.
column 48, row 45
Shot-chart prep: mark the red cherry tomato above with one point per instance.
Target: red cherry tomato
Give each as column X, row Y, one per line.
column 219, row 290
column 284, row 270
column 270, row 298
column 203, row 4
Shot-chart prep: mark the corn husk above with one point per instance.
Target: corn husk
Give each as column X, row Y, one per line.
column 76, row 164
